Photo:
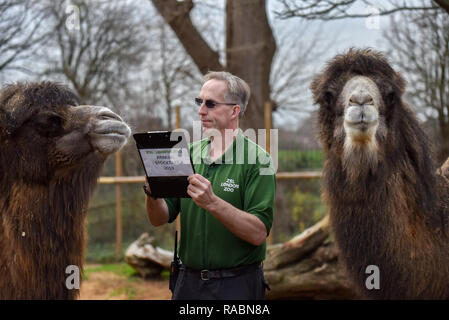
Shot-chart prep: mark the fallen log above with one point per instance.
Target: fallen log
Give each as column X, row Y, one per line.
column 148, row 260
column 307, row 267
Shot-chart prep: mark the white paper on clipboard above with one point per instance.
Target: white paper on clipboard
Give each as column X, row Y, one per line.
column 166, row 162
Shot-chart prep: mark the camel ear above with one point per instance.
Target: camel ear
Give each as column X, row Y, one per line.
column 315, row 87
column 400, row 82
column 320, row 95
column 13, row 111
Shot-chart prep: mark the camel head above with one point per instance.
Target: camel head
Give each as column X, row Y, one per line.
column 359, row 94
column 361, row 101
column 45, row 134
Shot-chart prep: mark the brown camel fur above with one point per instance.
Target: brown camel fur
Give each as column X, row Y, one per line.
column 51, row 154
column 389, row 205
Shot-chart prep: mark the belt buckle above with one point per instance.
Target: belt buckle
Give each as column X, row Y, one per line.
column 204, row 274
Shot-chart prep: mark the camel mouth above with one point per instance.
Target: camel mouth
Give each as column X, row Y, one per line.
column 362, row 125
column 120, row 130
column 110, row 140
column 111, row 127
column 114, row 136
column 361, row 131
column 361, row 118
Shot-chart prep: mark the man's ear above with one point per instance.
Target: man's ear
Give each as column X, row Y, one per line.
column 235, row 111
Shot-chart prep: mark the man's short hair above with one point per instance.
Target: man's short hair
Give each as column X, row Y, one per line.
column 238, row 90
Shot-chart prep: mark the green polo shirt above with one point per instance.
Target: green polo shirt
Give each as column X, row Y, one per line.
column 245, row 178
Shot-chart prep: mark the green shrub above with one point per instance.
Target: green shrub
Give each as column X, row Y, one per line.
column 298, row 160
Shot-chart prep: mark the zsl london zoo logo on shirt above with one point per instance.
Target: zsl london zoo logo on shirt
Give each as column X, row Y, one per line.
column 229, row 185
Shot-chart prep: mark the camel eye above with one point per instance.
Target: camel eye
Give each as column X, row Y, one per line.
column 328, row 96
column 391, row 95
column 48, row 124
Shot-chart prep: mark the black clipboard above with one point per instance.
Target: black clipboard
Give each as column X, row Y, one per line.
column 161, row 153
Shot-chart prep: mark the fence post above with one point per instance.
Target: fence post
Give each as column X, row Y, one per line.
column 178, row 126
column 118, row 208
column 178, row 117
column 268, row 125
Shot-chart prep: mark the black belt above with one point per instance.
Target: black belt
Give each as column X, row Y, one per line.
column 221, row 273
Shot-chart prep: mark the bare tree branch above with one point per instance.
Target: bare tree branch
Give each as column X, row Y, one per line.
column 443, row 4
column 20, row 31
column 335, row 10
column 420, row 48
column 96, row 56
column 176, row 14
column 292, row 68
column 174, row 72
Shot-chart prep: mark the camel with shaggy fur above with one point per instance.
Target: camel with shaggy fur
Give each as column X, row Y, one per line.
column 51, row 154
column 389, row 205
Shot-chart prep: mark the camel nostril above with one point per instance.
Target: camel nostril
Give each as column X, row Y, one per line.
column 108, row 115
column 361, row 99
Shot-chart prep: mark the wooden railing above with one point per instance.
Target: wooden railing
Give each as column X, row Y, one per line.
column 119, row 180
column 279, row 176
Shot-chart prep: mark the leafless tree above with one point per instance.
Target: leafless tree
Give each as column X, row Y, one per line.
column 96, row 46
column 334, row 10
column 175, row 78
column 420, row 48
column 250, row 46
column 20, row 32
column 293, row 66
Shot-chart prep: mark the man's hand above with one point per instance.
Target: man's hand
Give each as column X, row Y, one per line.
column 200, row 189
column 243, row 224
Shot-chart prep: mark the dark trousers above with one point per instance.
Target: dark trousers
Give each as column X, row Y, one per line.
column 246, row 286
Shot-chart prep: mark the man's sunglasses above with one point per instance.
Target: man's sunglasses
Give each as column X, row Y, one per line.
column 211, row 104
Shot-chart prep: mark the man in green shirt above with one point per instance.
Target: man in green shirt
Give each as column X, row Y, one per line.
column 225, row 223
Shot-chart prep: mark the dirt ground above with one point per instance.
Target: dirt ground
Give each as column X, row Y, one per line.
column 104, row 285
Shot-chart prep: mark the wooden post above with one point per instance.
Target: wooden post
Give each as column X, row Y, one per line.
column 118, row 208
column 178, row 117
column 268, row 124
column 177, row 126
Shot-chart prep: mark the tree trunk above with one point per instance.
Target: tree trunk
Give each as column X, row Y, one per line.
column 177, row 15
column 443, row 150
column 444, row 4
column 250, row 47
column 307, row 267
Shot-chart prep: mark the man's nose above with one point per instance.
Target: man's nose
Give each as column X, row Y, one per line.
column 202, row 109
